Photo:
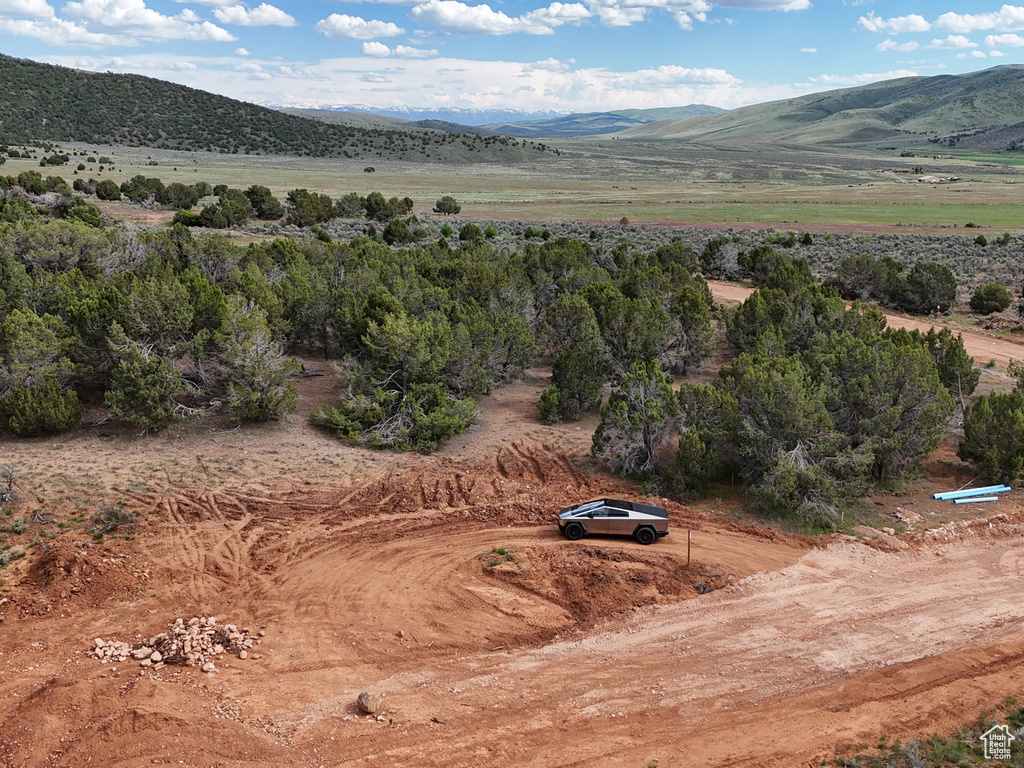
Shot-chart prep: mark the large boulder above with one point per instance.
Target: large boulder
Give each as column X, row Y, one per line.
column 369, row 703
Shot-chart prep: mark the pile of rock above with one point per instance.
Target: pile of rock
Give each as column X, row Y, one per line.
column 195, row 643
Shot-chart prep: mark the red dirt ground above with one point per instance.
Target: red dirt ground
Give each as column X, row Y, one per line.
column 381, row 572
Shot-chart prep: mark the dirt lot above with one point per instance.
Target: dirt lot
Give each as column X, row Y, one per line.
column 441, row 583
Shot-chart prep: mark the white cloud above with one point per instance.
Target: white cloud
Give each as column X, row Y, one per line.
column 60, row 33
column 1009, row 40
column 952, row 43
column 892, row 45
column 613, row 15
column 978, row 54
column 808, row 50
column 20, row 9
column 134, row 23
column 672, row 74
column 241, row 52
column 400, row 51
column 298, row 72
column 409, row 52
column 375, row 2
column 766, row 5
column 557, row 14
column 264, row 15
column 996, row 53
column 895, row 25
column 623, row 13
column 374, row 48
column 253, row 70
column 343, row 26
column 551, row 65
column 452, row 82
column 1006, row 19
column 456, row 16
column 862, row 79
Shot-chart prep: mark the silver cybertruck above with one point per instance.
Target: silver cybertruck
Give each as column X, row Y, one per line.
column 644, row 522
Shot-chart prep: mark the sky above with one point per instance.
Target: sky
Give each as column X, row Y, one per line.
column 530, row 55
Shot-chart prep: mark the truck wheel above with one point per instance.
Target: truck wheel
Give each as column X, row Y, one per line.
column 574, row 531
column 645, row 536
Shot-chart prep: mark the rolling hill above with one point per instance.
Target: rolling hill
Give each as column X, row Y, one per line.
column 44, row 103
column 912, row 110
column 599, row 123
column 371, row 120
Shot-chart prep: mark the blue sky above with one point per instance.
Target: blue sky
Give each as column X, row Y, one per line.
column 564, row 55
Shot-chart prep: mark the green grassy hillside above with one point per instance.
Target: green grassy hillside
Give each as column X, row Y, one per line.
column 909, row 110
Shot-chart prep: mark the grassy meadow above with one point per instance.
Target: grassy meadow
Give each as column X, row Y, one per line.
column 646, row 182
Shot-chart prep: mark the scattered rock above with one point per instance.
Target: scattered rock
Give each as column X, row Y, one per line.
column 369, row 702
column 15, row 552
column 906, row 517
column 193, row 644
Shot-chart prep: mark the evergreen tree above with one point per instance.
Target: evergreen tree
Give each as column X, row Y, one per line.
column 994, row 436
column 636, row 421
column 255, row 366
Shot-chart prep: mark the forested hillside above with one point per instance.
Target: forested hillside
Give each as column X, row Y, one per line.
column 45, row 103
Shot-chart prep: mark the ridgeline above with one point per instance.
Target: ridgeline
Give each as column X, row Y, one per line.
column 979, row 110
column 46, row 103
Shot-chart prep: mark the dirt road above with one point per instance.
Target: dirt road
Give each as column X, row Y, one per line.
column 982, row 346
column 796, row 653
column 442, row 583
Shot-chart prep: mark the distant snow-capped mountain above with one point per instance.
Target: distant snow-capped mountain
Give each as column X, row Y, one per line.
column 452, row 114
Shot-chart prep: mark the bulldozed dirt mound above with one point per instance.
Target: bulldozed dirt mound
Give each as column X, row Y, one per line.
column 77, row 575
column 591, row 582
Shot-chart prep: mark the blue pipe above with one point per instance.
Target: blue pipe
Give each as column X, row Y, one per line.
column 970, row 492
column 973, row 499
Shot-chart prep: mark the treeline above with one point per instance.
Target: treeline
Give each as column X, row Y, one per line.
column 28, row 196
column 234, row 207
column 819, row 403
column 150, row 325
